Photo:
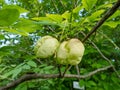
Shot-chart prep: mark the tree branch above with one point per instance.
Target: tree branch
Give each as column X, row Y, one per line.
column 105, row 17
column 103, row 56
column 28, row 77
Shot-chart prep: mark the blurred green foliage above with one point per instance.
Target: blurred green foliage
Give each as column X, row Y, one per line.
column 22, row 22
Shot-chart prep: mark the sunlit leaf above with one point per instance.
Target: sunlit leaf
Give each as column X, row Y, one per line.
column 108, row 5
column 26, row 25
column 41, row 19
column 44, row 21
column 8, row 16
column 88, row 4
column 95, row 15
column 1, row 1
column 117, row 13
column 66, row 15
column 112, row 24
column 55, row 17
column 2, row 37
column 77, row 9
column 20, row 9
column 16, row 31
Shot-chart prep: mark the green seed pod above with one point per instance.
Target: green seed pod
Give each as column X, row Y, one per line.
column 74, row 61
column 70, row 52
column 46, row 46
column 62, row 53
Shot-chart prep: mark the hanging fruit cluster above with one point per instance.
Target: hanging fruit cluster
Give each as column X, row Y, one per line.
column 67, row 52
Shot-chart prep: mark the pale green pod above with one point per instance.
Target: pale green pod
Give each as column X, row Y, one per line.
column 62, row 53
column 76, row 48
column 74, row 61
column 70, row 52
column 76, row 51
column 46, row 46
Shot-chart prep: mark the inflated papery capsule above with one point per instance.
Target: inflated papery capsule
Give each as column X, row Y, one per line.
column 70, row 52
column 46, row 46
column 62, row 53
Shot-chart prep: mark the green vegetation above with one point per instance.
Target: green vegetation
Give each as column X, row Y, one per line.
column 23, row 22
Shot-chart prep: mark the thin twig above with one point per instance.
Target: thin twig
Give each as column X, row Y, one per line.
column 103, row 56
column 105, row 17
column 39, row 61
column 76, row 3
column 78, row 70
column 60, row 73
column 55, row 6
column 62, row 4
column 66, row 69
column 109, row 40
column 28, row 77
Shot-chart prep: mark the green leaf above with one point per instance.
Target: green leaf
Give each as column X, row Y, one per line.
column 66, row 15
column 112, row 24
column 77, row 9
column 41, row 19
column 16, row 31
column 13, row 72
column 96, row 65
column 8, row 16
column 55, row 17
column 117, row 13
column 103, row 76
column 48, row 67
column 95, row 15
column 31, row 84
column 44, row 21
column 107, row 5
column 82, row 83
column 2, row 37
column 8, row 73
column 16, row 72
column 32, row 63
column 2, row 1
column 114, row 79
column 0, row 60
column 88, row 4
column 26, row 67
column 106, row 86
column 20, row 9
column 22, row 86
column 43, row 65
column 90, row 84
column 25, row 25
